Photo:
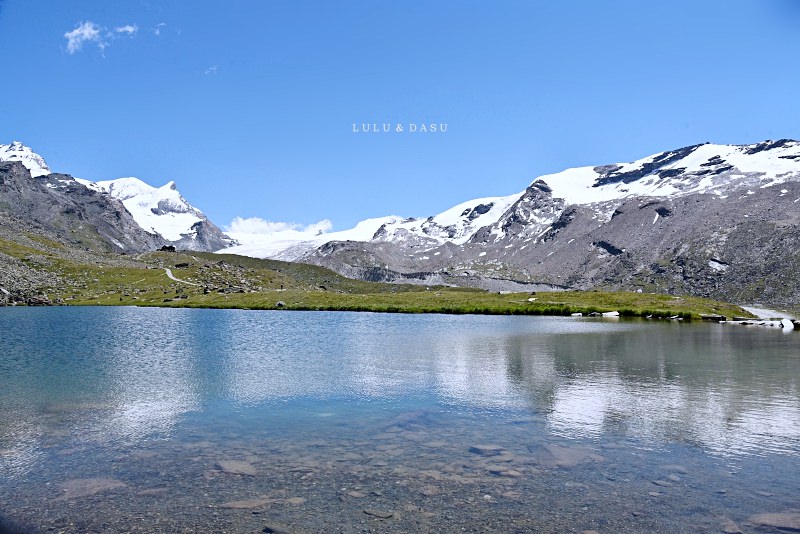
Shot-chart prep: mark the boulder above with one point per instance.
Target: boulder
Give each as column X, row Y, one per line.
column 39, row 300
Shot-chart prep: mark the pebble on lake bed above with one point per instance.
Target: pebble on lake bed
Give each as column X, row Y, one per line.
column 261, row 502
column 729, row 527
column 559, row 456
column 487, row 450
column 379, row 513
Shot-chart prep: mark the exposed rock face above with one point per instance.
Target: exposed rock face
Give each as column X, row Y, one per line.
column 58, row 204
column 204, row 235
column 160, row 211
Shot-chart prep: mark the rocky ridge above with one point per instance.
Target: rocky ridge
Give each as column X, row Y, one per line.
column 160, row 212
column 709, row 220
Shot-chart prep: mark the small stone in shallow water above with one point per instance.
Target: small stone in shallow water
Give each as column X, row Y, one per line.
column 379, row 513
column 261, row 502
column 487, row 450
column 729, row 527
column 676, row 468
column 275, row 529
column 559, row 456
column 248, row 504
column 429, row 491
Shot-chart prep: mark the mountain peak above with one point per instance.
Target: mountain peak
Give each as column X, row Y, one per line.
column 17, row 151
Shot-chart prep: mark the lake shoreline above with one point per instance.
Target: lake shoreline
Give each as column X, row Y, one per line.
column 452, row 302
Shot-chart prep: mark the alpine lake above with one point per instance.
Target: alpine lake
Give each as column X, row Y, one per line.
column 124, row 419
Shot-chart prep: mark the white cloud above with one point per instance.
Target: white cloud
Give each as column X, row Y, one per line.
column 89, row 32
column 213, row 69
column 84, row 32
column 257, row 225
column 130, row 29
column 157, row 29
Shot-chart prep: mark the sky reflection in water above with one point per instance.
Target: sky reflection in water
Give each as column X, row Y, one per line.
column 127, row 374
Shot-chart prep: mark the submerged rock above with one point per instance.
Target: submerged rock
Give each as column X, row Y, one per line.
column 729, row 527
column 379, row 513
column 276, row 529
column 261, row 502
column 237, row 467
column 83, row 487
column 783, row 520
column 559, row 456
column 487, row 450
column 248, row 504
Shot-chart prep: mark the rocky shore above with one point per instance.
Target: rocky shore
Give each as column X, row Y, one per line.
column 767, row 318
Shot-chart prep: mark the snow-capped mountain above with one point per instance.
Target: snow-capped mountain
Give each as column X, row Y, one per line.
column 16, row 151
column 291, row 244
column 704, row 219
column 711, row 220
column 161, row 211
column 699, row 169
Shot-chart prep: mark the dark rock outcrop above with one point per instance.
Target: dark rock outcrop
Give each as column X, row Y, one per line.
column 58, row 204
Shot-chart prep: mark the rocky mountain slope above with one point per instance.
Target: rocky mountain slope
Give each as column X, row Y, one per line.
column 65, row 209
column 159, row 216
column 712, row 220
column 709, row 220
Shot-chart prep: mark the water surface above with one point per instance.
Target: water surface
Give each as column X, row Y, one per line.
column 126, row 419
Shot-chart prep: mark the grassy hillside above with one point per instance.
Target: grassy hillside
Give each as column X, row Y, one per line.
column 79, row 277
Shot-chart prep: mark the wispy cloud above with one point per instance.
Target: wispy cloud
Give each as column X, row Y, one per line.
column 83, row 33
column 157, row 29
column 130, row 29
column 257, row 225
column 102, row 37
column 212, row 70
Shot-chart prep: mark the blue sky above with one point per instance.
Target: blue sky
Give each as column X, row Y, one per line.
column 249, row 106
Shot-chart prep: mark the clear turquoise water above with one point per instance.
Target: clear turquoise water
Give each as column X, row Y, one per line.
column 122, row 419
